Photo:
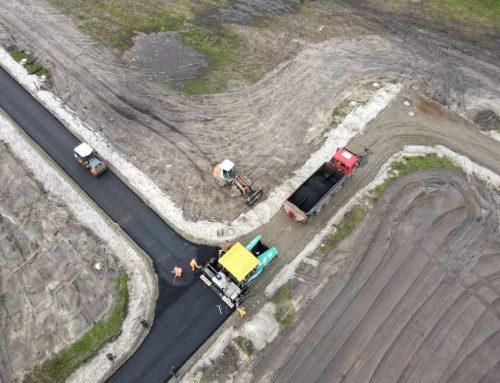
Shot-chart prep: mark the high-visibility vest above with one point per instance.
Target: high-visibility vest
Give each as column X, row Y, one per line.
column 241, row 311
column 194, row 264
column 177, row 272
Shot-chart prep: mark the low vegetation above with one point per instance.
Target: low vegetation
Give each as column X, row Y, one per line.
column 285, row 309
column 473, row 16
column 234, row 52
column 226, row 51
column 245, row 344
column 351, row 220
column 61, row 365
column 31, row 65
column 411, row 164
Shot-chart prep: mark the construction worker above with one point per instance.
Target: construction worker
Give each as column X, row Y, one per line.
column 241, row 311
column 173, row 372
column 194, row 265
column 177, row 271
column 227, row 245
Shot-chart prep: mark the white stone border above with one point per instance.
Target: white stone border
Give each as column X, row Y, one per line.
column 262, row 213
column 142, row 280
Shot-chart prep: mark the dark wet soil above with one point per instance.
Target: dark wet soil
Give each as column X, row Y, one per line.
column 487, row 120
column 163, row 56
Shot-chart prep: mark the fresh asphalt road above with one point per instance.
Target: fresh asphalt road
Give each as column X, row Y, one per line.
column 186, row 314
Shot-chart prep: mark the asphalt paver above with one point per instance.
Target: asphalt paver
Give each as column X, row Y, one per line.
column 186, row 313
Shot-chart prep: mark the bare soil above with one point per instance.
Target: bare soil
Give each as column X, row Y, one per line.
column 415, row 299
column 50, row 292
column 177, row 140
column 389, row 133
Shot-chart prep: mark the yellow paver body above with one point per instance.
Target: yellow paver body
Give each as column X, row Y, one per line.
column 239, row 261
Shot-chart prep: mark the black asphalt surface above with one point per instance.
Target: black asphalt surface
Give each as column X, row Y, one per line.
column 186, row 314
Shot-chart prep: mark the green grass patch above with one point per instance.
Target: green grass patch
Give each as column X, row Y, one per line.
column 245, row 344
column 480, row 12
column 285, row 309
column 31, row 65
column 225, row 50
column 284, row 294
column 408, row 165
column 61, row 365
column 351, row 220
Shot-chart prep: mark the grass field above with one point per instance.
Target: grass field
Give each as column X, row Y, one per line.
column 60, row 366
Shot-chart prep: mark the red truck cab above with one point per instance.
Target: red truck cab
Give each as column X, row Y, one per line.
column 345, row 160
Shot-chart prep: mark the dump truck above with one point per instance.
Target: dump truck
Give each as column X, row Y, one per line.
column 225, row 173
column 231, row 274
column 87, row 157
column 308, row 199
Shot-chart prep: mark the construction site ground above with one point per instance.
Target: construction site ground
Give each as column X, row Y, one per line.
column 393, row 129
column 51, row 293
column 177, row 139
column 271, row 127
column 414, row 297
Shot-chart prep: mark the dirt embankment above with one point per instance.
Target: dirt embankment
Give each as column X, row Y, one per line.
column 50, row 291
column 177, row 139
column 415, row 297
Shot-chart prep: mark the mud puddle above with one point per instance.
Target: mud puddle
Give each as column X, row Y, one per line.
column 163, row 56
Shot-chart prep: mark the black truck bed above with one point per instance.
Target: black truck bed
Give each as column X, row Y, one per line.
column 316, row 187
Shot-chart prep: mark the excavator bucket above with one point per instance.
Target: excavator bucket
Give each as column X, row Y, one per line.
column 254, row 196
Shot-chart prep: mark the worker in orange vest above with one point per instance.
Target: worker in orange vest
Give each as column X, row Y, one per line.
column 225, row 247
column 241, row 311
column 177, row 271
column 194, row 265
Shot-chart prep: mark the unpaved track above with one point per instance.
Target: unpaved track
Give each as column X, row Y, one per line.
column 176, row 139
column 417, row 299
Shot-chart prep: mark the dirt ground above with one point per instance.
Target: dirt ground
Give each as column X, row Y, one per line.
column 177, row 139
column 387, row 134
column 50, row 291
column 416, row 298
